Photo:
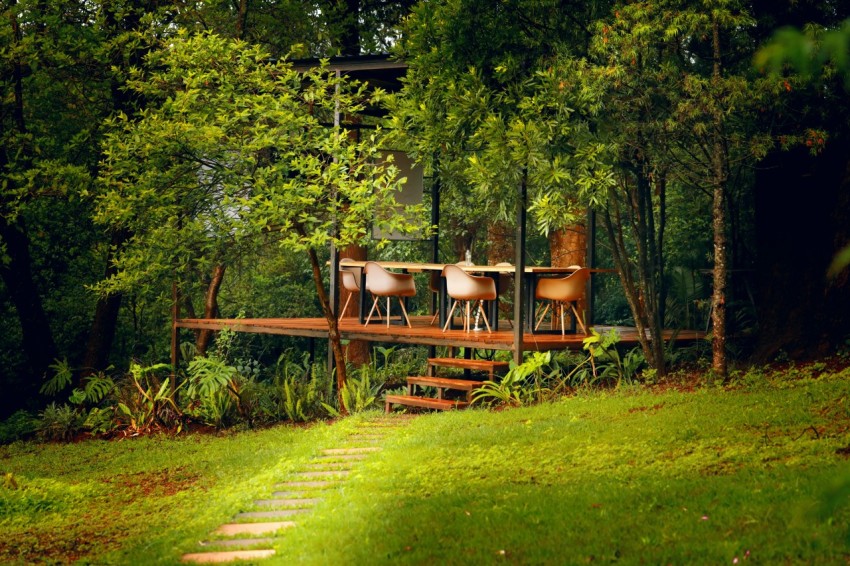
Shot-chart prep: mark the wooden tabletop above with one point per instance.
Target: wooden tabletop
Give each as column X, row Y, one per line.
column 417, row 267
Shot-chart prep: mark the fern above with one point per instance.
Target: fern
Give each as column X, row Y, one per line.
column 62, row 376
column 96, row 389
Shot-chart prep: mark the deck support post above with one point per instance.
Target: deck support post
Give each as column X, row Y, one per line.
column 435, row 239
column 519, row 275
column 333, row 296
column 175, row 314
column 591, row 262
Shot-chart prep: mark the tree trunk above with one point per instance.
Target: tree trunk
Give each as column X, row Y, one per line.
column 333, row 328
column 38, row 344
column 568, row 246
column 105, row 322
column 501, row 240
column 210, row 308
column 241, row 19
column 719, row 165
column 357, row 352
column 631, row 217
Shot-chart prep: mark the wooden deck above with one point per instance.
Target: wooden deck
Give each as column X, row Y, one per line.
column 422, row 333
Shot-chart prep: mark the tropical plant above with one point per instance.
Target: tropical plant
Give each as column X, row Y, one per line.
column 62, row 377
column 148, row 403
column 605, row 359
column 359, row 394
column 60, row 422
column 213, row 390
column 524, row 383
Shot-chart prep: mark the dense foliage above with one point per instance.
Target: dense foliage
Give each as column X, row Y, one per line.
column 141, row 143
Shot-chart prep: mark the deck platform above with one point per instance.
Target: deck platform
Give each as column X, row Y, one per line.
column 422, row 333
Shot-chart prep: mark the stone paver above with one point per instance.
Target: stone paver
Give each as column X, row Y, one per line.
column 323, row 474
column 271, row 514
column 341, row 458
column 327, row 466
column 291, row 494
column 227, row 556
column 348, row 451
column 237, row 542
column 290, row 502
column 317, row 484
column 231, row 529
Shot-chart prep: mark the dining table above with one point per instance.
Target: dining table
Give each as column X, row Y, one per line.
column 530, row 276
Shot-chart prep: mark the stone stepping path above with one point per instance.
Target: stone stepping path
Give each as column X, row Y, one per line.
column 227, row 556
column 291, row 502
column 291, row 498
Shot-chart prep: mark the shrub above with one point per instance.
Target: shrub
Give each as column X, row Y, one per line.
column 20, row 426
column 59, row 422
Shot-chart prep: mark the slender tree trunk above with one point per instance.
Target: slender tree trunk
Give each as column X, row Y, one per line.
column 38, row 344
column 719, row 165
column 241, row 19
column 105, row 322
column 333, row 327
column 640, row 277
column 357, row 352
column 210, row 308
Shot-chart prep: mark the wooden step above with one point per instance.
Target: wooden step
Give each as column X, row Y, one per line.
column 426, row 402
column 490, row 366
column 443, row 383
column 446, row 383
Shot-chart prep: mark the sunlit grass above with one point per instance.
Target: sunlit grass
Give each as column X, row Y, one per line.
column 758, row 474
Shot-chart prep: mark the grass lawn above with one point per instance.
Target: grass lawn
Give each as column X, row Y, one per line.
column 755, row 474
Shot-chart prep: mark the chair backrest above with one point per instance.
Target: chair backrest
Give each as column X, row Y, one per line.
column 569, row 288
column 379, row 281
column 504, row 278
column 350, row 281
column 350, row 274
column 434, row 281
column 461, row 285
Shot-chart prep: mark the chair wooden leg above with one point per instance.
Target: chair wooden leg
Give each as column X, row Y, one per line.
column 404, row 312
column 388, row 312
column 542, row 316
column 342, row 312
column 451, row 314
column 374, row 306
column 563, row 331
column 579, row 319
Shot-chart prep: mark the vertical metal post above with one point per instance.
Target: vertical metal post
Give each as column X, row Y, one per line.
column 591, row 262
column 435, row 242
column 519, row 276
column 175, row 314
column 333, row 289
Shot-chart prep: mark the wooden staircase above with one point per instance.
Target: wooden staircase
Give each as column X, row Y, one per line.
column 445, row 383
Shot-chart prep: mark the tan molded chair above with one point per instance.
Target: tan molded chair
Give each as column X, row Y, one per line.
column 350, row 282
column 562, row 291
column 383, row 283
column 462, row 286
